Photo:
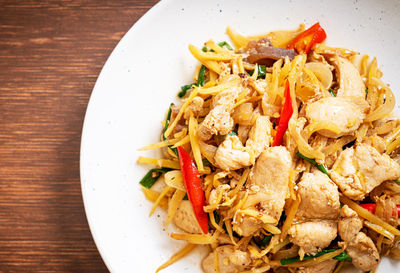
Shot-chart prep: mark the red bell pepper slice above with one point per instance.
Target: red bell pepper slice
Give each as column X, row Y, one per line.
column 372, row 206
column 286, row 114
column 307, row 39
column 192, row 180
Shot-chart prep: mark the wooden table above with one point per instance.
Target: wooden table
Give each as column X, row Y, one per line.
column 51, row 53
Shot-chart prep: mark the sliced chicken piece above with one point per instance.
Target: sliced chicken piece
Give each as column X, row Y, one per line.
column 360, row 247
column 312, row 236
column 350, row 82
column 195, row 106
column 363, row 252
column 185, row 219
column 319, row 197
column 357, row 171
column 231, row 155
column 349, row 224
column 259, row 136
column 324, row 267
column 229, row 260
column 271, row 175
column 219, row 120
column 344, row 112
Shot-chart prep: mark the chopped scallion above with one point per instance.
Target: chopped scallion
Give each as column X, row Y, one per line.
column 313, row 162
column 167, row 120
column 184, row 89
column 152, row 176
column 201, row 78
column 341, row 257
column 224, row 43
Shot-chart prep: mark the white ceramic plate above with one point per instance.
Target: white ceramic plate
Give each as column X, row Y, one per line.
column 143, row 75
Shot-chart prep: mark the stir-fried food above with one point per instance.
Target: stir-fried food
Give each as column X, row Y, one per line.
column 283, row 157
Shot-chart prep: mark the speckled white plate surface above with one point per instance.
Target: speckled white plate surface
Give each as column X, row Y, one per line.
column 143, row 75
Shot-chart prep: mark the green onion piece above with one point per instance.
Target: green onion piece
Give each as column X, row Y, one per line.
column 312, row 161
column 224, row 43
column 185, row 197
column 204, row 49
column 152, row 176
column 206, row 163
column 366, row 91
column 217, row 218
column 167, row 120
column 397, row 181
column 264, row 241
column 331, row 91
column 262, row 71
column 201, row 78
column 341, row 257
column 184, row 89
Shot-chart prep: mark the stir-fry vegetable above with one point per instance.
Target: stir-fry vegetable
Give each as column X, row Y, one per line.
column 307, row 39
column 262, row 71
column 313, row 162
column 152, row 176
column 286, row 114
column 372, row 206
column 191, row 177
column 341, row 257
column 332, row 93
column 201, row 78
column 167, row 121
column 224, row 43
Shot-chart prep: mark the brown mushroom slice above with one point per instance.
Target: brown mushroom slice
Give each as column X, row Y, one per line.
column 267, row 55
column 262, row 52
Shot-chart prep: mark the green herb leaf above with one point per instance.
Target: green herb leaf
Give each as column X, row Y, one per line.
column 152, row 176
column 341, row 257
column 331, row 91
column 204, row 49
column 366, row 91
column 397, row 181
column 201, row 78
column 312, row 161
column 224, row 43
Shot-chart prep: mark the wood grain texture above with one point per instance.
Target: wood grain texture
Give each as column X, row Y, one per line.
column 51, row 53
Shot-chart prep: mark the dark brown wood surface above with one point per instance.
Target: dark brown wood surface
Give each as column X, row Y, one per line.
column 51, row 53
